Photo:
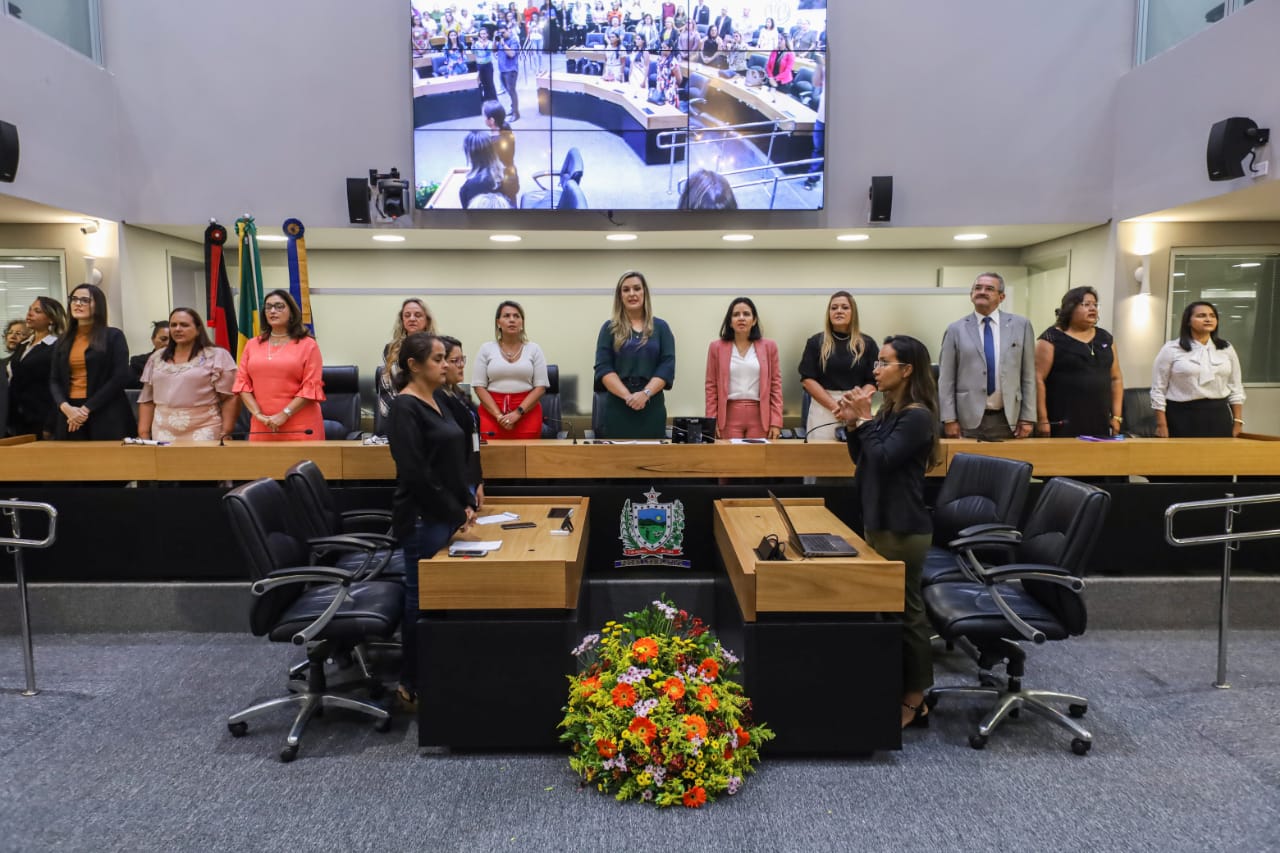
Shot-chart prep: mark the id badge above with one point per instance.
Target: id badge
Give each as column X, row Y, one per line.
column 475, row 442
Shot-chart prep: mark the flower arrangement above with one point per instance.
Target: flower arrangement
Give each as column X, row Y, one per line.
column 654, row 712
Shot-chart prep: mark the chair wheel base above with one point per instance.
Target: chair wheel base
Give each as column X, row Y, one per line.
column 238, row 729
column 1080, row 746
column 978, row 741
column 1077, row 710
column 289, row 753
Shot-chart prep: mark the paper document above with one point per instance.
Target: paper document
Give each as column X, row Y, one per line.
column 500, row 518
column 474, row 546
column 748, row 441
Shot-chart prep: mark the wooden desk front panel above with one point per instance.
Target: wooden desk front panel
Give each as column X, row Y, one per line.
column 245, row 460
column 816, row 459
column 561, row 460
column 862, row 584
column 533, row 570
column 71, row 461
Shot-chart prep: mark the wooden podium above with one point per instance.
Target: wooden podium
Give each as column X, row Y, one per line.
column 495, row 632
column 822, row 652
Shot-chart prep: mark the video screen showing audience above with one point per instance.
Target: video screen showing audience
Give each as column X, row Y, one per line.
column 619, row 105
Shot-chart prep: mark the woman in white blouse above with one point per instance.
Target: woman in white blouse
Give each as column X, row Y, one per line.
column 1196, row 386
column 510, row 377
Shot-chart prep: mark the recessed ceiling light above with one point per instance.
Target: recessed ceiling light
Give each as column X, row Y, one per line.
column 852, row 238
column 388, row 238
column 271, row 238
column 620, row 238
column 505, row 238
column 12, row 267
column 1179, row 274
column 966, row 238
column 1246, row 266
column 737, row 238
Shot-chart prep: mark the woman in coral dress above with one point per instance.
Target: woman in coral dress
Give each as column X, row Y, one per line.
column 280, row 380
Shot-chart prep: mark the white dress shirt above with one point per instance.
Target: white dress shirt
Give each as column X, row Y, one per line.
column 744, row 375
column 995, row 400
column 1205, row 373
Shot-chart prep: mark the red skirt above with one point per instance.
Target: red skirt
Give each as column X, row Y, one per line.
column 528, row 427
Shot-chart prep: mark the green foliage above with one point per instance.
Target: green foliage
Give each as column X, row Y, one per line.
column 423, row 193
column 656, row 714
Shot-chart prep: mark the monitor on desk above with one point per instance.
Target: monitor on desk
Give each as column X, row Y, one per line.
column 599, row 130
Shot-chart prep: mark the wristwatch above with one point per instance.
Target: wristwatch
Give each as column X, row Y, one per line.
column 520, row 409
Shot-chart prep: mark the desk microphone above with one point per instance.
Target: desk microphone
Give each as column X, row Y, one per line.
column 568, row 426
column 702, row 437
column 234, row 436
column 834, row 425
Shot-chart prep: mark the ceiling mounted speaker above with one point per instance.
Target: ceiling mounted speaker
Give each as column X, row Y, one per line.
column 8, row 152
column 881, row 197
column 358, row 201
column 1230, row 141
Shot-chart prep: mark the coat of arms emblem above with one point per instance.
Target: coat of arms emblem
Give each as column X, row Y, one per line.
column 652, row 532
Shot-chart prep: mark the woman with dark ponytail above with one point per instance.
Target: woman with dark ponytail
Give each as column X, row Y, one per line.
column 892, row 451
column 432, row 499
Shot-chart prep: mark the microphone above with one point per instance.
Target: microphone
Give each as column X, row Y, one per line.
column 222, row 441
column 701, row 437
column 834, row 425
column 568, row 426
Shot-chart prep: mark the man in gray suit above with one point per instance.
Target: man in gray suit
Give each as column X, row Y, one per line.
column 987, row 369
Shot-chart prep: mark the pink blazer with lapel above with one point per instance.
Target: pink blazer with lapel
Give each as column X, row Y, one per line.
column 719, row 354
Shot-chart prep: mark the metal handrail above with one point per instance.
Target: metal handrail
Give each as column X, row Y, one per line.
column 1230, row 542
column 671, row 140
column 14, row 545
column 772, row 181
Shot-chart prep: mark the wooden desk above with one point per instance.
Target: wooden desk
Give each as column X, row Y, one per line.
column 494, row 633
column 867, row 583
column 243, row 460
column 621, row 94
column 798, row 616
column 1156, row 457
column 532, row 570
column 561, row 459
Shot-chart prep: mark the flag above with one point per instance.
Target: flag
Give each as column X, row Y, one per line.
column 250, row 323
column 221, row 312
column 299, row 286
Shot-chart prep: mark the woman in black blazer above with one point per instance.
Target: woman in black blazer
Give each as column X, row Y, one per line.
column 90, row 371
column 892, row 451
column 30, row 403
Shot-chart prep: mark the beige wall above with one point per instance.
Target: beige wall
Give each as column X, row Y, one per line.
column 68, row 240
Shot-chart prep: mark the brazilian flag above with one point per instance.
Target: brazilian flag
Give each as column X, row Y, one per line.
column 250, row 321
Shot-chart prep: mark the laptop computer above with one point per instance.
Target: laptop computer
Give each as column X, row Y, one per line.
column 812, row 544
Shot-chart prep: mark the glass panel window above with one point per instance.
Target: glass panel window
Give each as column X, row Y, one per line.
column 72, row 22
column 1169, row 22
column 23, row 277
column 1245, row 289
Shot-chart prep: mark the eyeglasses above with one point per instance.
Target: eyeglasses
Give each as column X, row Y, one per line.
column 81, row 300
column 880, row 362
column 459, row 361
column 276, row 306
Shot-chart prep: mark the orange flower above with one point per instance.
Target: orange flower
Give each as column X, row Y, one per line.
column 645, row 649
column 694, row 797
column 728, row 753
column 606, row 748
column 647, row 730
column 707, row 697
column 673, row 687
column 590, row 685
column 709, row 669
column 743, row 737
column 624, row 696
column 697, row 727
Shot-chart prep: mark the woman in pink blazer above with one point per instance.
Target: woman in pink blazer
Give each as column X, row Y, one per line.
column 780, row 69
column 744, row 386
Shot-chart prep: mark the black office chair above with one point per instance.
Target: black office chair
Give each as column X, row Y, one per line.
column 979, row 492
column 341, row 406
column 1139, row 417
column 548, row 195
column 330, row 611
column 1036, row 597
column 597, row 415
column 571, row 197
column 802, row 86
column 552, row 416
column 379, row 421
column 319, row 519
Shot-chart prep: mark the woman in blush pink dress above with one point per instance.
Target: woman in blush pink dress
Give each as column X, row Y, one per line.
column 280, row 380
column 186, row 386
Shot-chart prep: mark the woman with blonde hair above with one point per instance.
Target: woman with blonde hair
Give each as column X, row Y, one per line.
column 635, row 362
column 414, row 316
column 840, row 358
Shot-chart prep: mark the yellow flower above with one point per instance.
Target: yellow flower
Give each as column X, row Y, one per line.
column 688, row 774
column 644, row 780
column 700, row 766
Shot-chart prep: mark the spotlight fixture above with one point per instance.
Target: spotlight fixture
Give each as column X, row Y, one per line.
column 392, row 194
column 90, row 226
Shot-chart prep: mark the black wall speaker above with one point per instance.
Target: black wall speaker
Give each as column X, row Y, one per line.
column 881, row 196
column 358, row 201
column 1229, row 141
column 8, row 152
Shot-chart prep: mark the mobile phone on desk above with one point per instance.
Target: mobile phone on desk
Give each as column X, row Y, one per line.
column 468, row 552
column 518, row 525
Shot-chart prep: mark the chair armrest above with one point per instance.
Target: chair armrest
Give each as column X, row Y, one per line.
column 343, row 543
column 988, row 540
column 1034, row 571
column 991, row 527
column 301, row 574
column 537, row 175
column 1034, row 635
column 383, row 514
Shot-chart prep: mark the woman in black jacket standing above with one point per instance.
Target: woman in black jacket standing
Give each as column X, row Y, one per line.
column 90, row 372
column 31, row 409
column 892, row 451
column 433, row 497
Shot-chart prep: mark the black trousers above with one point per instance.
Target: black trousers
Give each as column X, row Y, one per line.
column 1199, row 419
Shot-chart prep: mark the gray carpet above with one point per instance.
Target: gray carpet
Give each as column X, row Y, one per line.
column 127, row 749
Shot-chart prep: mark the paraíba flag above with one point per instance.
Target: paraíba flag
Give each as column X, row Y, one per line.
column 221, row 311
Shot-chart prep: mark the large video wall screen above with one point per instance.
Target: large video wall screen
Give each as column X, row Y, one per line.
column 619, row 106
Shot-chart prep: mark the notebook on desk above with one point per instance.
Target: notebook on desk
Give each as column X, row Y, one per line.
column 812, row 544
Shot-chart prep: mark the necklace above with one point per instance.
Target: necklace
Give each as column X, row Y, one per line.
column 511, row 356
column 275, row 344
